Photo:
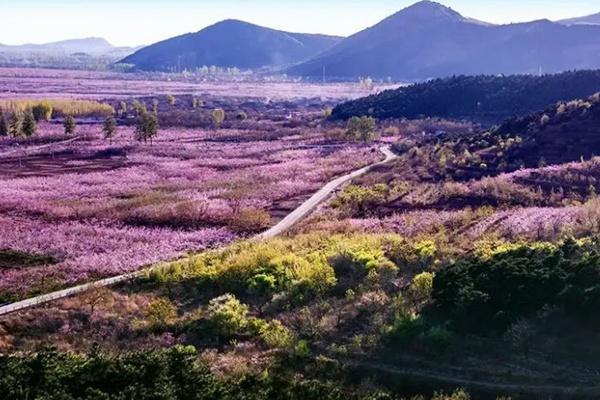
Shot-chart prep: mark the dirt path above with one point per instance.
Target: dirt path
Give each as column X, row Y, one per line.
column 283, row 225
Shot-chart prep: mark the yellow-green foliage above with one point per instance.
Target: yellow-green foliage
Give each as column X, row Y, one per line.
column 227, row 315
column 76, row 108
column 275, row 335
column 160, row 312
column 301, row 267
column 421, row 286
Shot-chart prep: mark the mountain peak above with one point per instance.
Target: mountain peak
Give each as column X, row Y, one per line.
column 431, row 9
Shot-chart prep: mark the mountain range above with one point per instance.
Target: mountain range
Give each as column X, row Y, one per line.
column 230, row 43
column 429, row 40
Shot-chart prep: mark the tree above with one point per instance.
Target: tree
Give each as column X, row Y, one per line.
column 69, row 124
column 109, row 127
column 138, row 107
column 171, row 100
column 42, row 112
column 29, row 127
column 4, row 127
column 15, row 125
column 361, row 128
column 155, row 106
column 147, row 127
column 218, row 117
column 123, row 108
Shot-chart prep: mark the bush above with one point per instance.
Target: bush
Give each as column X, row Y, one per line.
column 42, row 111
column 421, row 287
column 227, row 316
column 250, row 220
column 275, row 335
column 160, row 313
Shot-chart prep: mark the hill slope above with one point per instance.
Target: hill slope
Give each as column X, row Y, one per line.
column 428, row 40
column 562, row 133
column 485, row 99
column 230, row 43
column 593, row 19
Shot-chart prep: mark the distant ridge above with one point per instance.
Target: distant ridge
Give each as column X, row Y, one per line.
column 593, row 19
column 429, row 40
column 230, row 43
column 92, row 46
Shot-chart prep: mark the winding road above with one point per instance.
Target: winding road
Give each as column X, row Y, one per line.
column 303, row 210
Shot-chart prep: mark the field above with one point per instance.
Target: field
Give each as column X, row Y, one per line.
column 453, row 266
column 96, row 208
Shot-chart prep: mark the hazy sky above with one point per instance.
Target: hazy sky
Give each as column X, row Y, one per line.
column 134, row 22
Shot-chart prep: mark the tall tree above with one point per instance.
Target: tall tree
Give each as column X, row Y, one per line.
column 15, row 125
column 29, row 126
column 109, row 127
column 147, row 127
column 69, row 124
column 4, row 127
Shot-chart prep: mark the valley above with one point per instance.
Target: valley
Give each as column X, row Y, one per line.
column 407, row 211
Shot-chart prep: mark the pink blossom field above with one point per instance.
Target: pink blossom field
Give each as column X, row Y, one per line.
column 101, row 209
column 47, row 83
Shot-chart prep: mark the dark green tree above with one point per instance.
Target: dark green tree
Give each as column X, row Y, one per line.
column 29, row 126
column 4, row 127
column 15, row 125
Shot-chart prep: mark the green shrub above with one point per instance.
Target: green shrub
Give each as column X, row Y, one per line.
column 227, row 316
column 275, row 335
column 160, row 313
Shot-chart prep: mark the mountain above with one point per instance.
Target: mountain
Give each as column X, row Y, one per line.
column 92, row 46
column 230, row 43
column 484, row 99
column 428, row 40
column 593, row 19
